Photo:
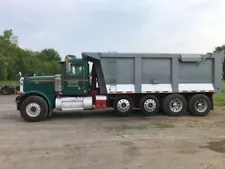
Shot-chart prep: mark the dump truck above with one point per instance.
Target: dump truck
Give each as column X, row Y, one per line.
column 150, row 82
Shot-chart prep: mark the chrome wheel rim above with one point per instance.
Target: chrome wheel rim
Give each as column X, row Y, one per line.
column 201, row 105
column 150, row 105
column 176, row 105
column 123, row 105
column 33, row 109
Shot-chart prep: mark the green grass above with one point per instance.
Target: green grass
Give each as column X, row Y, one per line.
column 11, row 83
column 219, row 99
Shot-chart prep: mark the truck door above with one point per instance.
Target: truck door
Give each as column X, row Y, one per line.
column 76, row 81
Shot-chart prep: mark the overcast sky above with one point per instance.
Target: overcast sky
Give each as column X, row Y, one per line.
column 75, row 26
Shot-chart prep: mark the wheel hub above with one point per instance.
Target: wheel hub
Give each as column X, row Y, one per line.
column 176, row 105
column 123, row 105
column 201, row 105
column 150, row 105
column 33, row 109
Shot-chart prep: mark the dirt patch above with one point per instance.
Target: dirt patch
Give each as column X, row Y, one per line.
column 127, row 127
column 162, row 125
column 185, row 151
column 127, row 143
column 217, row 146
column 124, row 127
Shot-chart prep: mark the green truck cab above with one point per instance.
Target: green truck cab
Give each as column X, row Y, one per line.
column 37, row 96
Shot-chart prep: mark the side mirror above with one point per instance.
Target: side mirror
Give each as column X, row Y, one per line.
column 68, row 67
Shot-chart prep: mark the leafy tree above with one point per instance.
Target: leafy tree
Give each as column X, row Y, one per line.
column 220, row 48
column 49, row 55
column 8, row 43
column 14, row 59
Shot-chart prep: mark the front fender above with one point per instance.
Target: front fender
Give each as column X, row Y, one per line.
column 19, row 99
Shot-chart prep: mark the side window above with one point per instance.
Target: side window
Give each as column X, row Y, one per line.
column 77, row 70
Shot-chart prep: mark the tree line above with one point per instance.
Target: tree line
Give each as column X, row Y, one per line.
column 14, row 59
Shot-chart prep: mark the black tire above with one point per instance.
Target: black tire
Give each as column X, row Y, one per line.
column 5, row 90
column 153, row 101
column 167, row 104
column 39, row 103
column 193, row 109
column 121, row 100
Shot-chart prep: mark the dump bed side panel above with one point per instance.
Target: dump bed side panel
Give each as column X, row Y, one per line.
column 196, row 78
column 156, row 71
column 118, row 74
column 118, row 70
column 156, row 75
column 203, row 73
column 161, row 73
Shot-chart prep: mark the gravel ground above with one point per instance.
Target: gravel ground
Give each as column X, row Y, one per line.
column 100, row 140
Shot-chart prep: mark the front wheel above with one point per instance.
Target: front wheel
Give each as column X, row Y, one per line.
column 123, row 106
column 34, row 109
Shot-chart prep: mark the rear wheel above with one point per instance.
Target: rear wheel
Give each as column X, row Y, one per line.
column 149, row 105
column 199, row 105
column 174, row 104
column 123, row 105
column 34, row 109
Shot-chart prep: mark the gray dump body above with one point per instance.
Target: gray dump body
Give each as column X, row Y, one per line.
column 158, row 73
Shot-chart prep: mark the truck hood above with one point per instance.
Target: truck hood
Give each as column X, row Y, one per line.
column 43, row 84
